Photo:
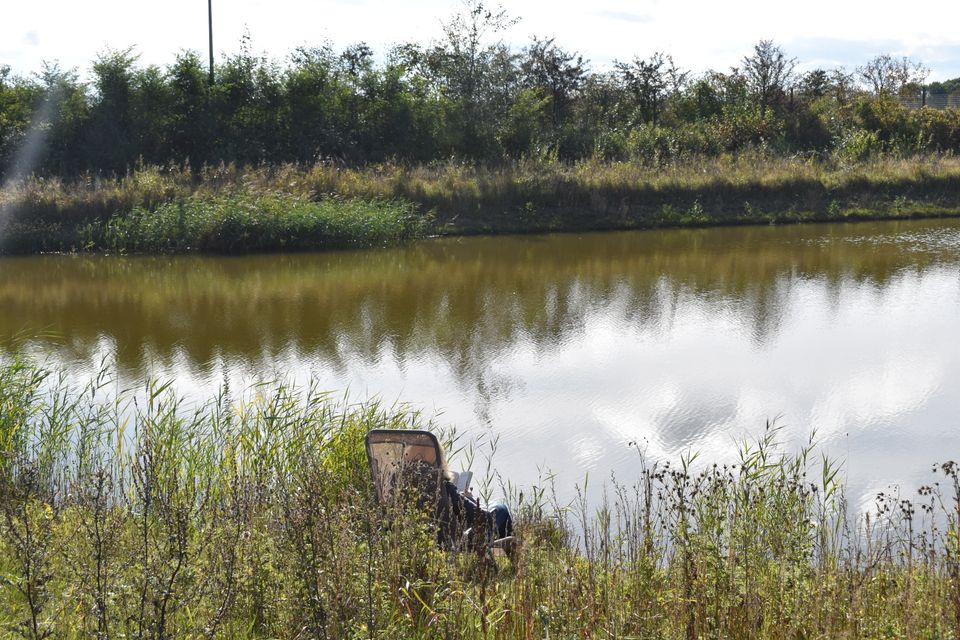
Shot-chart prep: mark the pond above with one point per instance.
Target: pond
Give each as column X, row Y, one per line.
column 564, row 347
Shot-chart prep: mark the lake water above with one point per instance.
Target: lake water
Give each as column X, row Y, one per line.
column 567, row 347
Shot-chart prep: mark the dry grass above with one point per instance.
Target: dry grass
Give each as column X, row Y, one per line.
column 748, row 188
column 255, row 519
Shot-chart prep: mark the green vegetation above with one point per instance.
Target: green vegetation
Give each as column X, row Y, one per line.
column 467, row 96
column 232, row 222
column 245, row 223
column 231, row 209
column 255, row 519
column 485, row 137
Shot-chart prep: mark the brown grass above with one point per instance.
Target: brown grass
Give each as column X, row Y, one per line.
column 530, row 196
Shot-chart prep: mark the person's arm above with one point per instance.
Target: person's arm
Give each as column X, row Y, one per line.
column 463, row 504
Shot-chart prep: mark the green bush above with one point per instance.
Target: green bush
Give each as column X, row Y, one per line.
column 242, row 222
column 938, row 129
column 255, row 518
column 857, row 145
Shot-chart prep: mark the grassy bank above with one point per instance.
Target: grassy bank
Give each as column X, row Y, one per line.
column 256, row 520
column 233, row 221
column 231, row 209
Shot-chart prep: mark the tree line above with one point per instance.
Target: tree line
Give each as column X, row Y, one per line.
column 466, row 96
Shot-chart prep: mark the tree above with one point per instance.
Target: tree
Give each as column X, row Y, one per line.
column 19, row 102
column 649, row 82
column 596, row 111
column 151, row 102
column 314, row 122
column 842, row 86
column 191, row 122
column 947, row 87
column 768, row 72
column 557, row 73
column 522, row 127
column 111, row 138
column 476, row 75
column 247, row 102
column 64, row 105
column 814, row 84
column 889, row 76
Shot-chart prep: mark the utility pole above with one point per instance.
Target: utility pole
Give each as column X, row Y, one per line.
column 210, row 22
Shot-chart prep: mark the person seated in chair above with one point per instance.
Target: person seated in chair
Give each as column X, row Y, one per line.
column 466, row 507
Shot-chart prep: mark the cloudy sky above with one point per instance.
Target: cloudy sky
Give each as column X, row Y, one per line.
column 699, row 34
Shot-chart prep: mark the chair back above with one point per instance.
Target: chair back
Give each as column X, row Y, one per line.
column 409, row 463
column 405, row 460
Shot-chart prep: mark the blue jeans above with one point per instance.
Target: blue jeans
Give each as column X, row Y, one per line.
column 502, row 521
column 498, row 517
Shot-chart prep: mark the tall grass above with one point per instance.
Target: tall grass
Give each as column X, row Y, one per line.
column 243, row 222
column 230, row 208
column 230, row 222
column 149, row 518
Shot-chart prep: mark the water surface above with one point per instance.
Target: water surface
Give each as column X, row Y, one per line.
column 565, row 346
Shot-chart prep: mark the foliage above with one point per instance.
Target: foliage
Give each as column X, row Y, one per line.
column 627, row 184
column 158, row 214
column 768, row 73
column 886, row 75
column 649, row 83
column 466, row 96
column 857, row 145
column 242, row 223
column 558, row 74
column 254, row 517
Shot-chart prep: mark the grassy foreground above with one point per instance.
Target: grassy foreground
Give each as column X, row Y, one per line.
column 256, row 520
column 231, row 209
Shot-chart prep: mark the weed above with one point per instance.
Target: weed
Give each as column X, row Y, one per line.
column 139, row 517
column 279, row 207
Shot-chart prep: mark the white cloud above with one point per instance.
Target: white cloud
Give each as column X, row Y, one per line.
column 699, row 34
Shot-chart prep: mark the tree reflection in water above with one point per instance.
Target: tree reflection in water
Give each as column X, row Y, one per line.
column 567, row 345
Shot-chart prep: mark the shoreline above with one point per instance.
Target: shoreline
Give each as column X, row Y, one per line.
column 230, row 210
column 266, row 509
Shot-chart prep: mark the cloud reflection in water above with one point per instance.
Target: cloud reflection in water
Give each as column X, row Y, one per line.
column 568, row 347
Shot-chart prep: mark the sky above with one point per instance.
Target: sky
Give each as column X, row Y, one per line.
column 700, row 34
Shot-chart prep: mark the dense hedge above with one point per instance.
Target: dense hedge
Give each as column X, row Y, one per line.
column 459, row 97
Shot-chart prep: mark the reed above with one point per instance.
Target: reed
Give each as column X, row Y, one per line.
column 253, row 517
column 281, row 207
column 230, row 221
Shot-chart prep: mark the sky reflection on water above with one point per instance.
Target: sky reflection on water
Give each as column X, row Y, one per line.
column 566, row 347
